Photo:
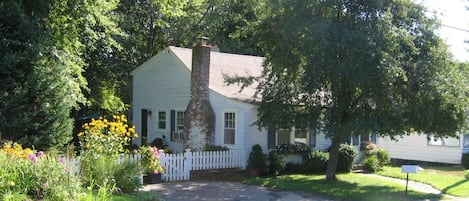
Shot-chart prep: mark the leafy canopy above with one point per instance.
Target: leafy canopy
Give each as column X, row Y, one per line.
column 355, row 67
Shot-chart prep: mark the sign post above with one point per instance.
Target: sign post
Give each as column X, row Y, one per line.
column 409, row 169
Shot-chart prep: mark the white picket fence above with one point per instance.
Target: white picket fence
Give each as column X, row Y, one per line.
column 178, row 166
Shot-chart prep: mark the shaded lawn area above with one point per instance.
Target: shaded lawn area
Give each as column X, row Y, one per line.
column 349, row 187
column 449, row 179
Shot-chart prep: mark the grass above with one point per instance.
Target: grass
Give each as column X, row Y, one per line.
column 139, row 196
column 348, row 187
column 449, row 179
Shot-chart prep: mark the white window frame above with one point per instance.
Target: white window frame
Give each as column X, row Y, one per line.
column 277, row 133
column 360, row 139
column 158, row 120
column 230, row 127
column 178, row 134
column 292, row 136
column 442, row 141
column 306, row 133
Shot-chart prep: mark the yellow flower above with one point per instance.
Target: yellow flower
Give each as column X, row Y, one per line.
column 11, row 183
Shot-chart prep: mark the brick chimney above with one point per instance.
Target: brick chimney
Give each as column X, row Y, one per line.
column 199, row 122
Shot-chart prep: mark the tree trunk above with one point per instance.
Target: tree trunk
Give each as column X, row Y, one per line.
column 333, row 158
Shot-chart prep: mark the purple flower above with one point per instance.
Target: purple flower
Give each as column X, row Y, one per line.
column 40, row 154
column 33, row 158
column 62, row 160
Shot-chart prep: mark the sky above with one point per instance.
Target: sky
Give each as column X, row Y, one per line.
column 452, row 13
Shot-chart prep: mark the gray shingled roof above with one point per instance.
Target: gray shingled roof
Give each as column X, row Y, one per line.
column 227, row 64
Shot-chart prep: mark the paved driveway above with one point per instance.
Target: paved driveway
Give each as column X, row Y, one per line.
column 226, row 191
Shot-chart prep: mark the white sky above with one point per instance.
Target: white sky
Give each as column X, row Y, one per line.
column 452, row 13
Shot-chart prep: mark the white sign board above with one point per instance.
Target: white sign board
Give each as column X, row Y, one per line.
column 410, row 169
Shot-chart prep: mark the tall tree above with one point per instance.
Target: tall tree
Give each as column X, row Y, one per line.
column 229, row 25
column 355, row 67
column 40, row 81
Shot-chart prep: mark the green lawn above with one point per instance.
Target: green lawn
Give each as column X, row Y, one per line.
column 139, row 196
column 448, row 179
column 349, row 187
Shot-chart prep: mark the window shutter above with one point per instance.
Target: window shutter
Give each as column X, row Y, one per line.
column 312, row 138
column 271, row 137
column 144, row 128
column 172, row 120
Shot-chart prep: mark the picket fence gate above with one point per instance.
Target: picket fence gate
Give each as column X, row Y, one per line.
column 178, row 166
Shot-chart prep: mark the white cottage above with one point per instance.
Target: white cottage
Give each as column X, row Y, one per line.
column 162, row 92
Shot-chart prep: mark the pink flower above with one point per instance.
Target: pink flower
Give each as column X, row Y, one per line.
column 155, row 172
column 40, row 154
column 62, row 160
column 66, row 170
column 46, row 185
column 33, row 158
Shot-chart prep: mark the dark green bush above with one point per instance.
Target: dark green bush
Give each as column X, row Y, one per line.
column 371, row 163
column 256, row 158
column 276, row 163
column 316, row 161
column 212, row 147
column 347, row 155
column 383, row 157
column 465, row 160
column 291, row 168
column 292, row 148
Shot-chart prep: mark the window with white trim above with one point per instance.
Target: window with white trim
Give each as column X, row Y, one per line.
column 162, row 120
column 301, row 136
column 229, row 128
column 439, row 141
column 179, row 120
column 283, row 136
column 355, row 140
column 178, row 133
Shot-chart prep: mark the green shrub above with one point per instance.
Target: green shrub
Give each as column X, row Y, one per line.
column 371, row 163
column 465, row 160
column 368, row 148
column 292, row 148
column 212, row 147
column 316, row 161
column 256, row 158
column 276, row 163
column 295, row 168
column 126, row 176
column 98, row 170
column 383, row 156
column 123, row 175
column 347, row 155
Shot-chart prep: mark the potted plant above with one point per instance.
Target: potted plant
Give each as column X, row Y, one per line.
column 151, row 164
column 256, row 161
